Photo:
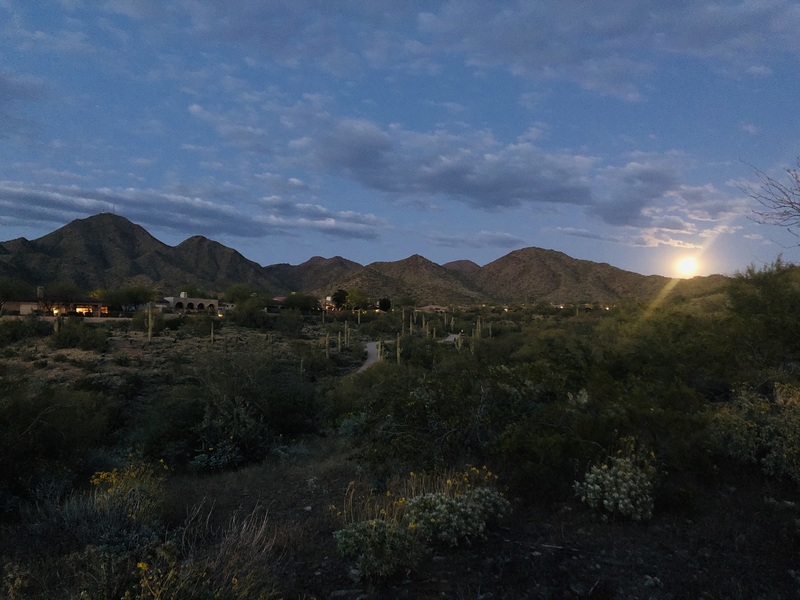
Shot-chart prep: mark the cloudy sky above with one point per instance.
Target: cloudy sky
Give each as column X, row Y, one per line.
column 618, row 131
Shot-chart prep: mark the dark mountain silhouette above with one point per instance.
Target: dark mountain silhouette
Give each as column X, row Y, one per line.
column 209, row 261
column 316, row 274
column 463, row 266
column 108, row 251
column 417, row 277
column 536, row 274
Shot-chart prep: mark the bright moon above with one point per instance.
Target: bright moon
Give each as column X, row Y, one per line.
column 687, row 266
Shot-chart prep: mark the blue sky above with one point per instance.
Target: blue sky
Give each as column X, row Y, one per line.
column 615, row 131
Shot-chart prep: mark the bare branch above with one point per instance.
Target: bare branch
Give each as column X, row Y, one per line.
column 780, row 200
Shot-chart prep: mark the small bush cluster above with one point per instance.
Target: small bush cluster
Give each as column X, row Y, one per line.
column 452, row 520
column 74, row 333
column 445, row 509
column 621, row 486
column 752, row 429
column 237, row 563
column 382, row 547
column 15, row 330
column 119, row 512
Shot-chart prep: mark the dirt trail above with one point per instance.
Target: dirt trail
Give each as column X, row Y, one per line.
column 372, row 356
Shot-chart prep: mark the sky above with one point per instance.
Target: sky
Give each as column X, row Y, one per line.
column 629, row 132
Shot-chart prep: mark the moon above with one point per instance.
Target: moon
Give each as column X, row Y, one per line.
column 686, row 266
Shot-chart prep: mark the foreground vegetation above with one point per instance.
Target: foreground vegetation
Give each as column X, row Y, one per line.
column 640, row 451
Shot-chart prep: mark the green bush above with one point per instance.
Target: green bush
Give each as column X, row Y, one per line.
column 238, row 404
column 388, row 534
column 452, row 520
column 74, row 333
column 120, row 512
column 383, row 548
column 141, row 319
column 753, row 430
column 14, row 330
column 621, row 486
column 48, row 429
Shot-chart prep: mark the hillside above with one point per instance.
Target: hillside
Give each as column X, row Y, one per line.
column 417, row 277
column 316, row 274
column 107, row 251
column 534, row 275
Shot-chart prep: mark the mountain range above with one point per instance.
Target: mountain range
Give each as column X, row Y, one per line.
column 108, row 251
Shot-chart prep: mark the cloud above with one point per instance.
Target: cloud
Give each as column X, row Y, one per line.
column 651, row 238
column 481, row 239
column 610, row 49
column 585, row 233
column 759, row 71
column 632, row 188
column 472, row 168
column 16, row 90
column 750, row 128
column 181, row 212
column 250, row 136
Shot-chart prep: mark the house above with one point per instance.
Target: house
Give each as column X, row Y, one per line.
column 87, row 307
column 184, row 303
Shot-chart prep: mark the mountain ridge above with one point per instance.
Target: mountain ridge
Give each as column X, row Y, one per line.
column 108, row 251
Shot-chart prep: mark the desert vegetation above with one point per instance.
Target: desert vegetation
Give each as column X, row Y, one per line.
column 624, row 451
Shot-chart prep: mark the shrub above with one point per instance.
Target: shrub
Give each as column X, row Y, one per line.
column 781, row 438
column 141, row 319
column 48, row 429
column 15, row 330
column 452, row 520
column 237, row 562
column 390, row 533
column 734, row 428
column 120, row 512
column 623, row 485
column 751, row 429
column 74, row 333
column 383, row 547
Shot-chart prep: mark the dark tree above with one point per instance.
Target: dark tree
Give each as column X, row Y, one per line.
column 13, row 289
column 302, row 302
column 384, row 304
column 238, row 292
column 339, row 298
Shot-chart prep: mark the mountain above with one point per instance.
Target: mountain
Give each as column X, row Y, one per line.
column 546, row 275
column 221, row 267
column 317, row 274
column 462, row 266
column 100, row 251
column 417, row 277
column 109, row 251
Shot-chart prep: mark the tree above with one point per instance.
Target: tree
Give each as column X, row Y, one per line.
column 406, row 300
column 356, row 299
column 780, row 201
column 238, row 292
column 765, row 304
column 130, row 297
column 301, row 302
column 60, row 293
column 384, row 304
column 339, row 298
column 14, row 289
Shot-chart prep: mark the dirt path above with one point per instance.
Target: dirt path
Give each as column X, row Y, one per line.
column 372, row 356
